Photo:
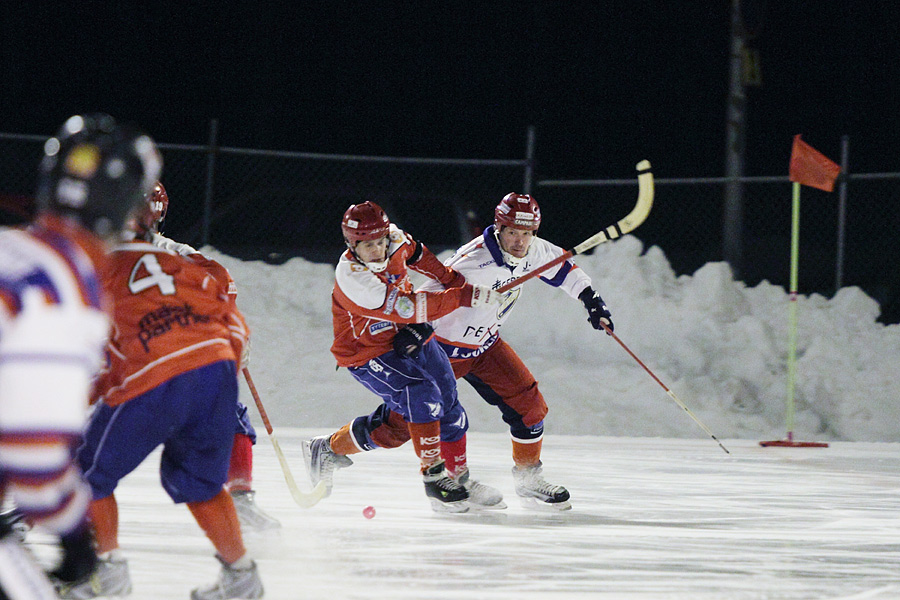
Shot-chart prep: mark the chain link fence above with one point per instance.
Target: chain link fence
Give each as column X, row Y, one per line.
column 267, row 205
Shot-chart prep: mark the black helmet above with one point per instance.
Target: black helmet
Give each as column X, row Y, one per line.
column 97, row 171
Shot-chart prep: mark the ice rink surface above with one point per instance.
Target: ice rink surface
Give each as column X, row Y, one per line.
column 652, row 518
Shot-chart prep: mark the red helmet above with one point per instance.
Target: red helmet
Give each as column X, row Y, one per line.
column 150, row 216
column 519, row 211
column 366, row 221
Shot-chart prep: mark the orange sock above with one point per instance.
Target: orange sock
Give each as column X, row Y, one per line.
column 526, row 454
column 104, row 515
column 342, row 441
column 454, row 455
column 426, row 439
column 219, row 521
column 240, row 470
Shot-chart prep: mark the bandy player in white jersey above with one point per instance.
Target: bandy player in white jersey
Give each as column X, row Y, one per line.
column 54, row 322
column 506, row 250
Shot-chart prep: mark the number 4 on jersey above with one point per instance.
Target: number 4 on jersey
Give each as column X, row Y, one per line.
column 150, row 275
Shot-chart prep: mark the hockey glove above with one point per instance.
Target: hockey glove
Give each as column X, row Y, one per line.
column 409, row 340
column 482, row 294
column 597, row 311
column 78, row 556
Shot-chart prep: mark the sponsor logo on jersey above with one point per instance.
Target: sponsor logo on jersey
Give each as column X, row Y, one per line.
column 380, row 326
column 421, row 307
column 502, row 282
column 462, row 353
column 509, row 300
column 161, row 321
column 487, row 264
column 405, row 307
column 389, row 303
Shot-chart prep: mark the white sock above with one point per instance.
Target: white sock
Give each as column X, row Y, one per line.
column 242, row 564
column 115, row 555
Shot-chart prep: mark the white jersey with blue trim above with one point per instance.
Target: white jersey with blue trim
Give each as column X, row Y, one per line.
column 469, row 331
column 53, row 329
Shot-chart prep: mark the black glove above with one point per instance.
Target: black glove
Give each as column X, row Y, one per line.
column 597, row 311
column 409, row 340
column 78, row 556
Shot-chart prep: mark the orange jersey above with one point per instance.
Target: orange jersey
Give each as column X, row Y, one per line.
column 172, row 314
column 366, row 307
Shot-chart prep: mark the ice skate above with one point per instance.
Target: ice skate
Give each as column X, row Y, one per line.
column 536, row 493
column 232, row 584
column 249, row 514
column 110, row 579
column 446, row 495
column 321, row 461
column 13, row 522
column 481, row 496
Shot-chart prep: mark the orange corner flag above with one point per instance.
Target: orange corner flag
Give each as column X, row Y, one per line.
column 811, row 167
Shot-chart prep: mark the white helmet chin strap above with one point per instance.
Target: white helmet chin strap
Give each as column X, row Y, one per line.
column 377, row 267
column 508, row 258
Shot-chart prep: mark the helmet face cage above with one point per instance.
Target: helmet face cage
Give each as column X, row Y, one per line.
column 97, row 172
column 152, row 213
column 519, row 211
column 366, row 221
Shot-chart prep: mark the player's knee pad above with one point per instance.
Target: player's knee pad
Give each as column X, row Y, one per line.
column 520, row 431
column 386, row 428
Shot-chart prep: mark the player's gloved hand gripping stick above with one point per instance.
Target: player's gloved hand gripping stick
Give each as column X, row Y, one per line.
column 599, row 316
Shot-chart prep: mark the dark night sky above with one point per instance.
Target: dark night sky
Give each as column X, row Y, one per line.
column 605, row 83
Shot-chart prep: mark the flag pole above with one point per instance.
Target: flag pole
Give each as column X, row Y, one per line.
column 792, row 327
column 792, row 332
column 808, row 167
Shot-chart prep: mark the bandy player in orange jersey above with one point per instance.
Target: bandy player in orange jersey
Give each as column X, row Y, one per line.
column 148, row 226
column 171, row 381
column 382, row 337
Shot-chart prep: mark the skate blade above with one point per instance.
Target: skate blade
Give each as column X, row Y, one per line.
column 449, row 507
column 483, row 507
column 539, row 505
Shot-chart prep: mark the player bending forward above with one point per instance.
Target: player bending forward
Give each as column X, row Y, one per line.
column 470, row 336
column 147, row 227
column 377, row 317
column 172, row 381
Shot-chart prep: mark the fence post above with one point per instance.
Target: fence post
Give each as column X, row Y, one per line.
column 842, row 213
column 529, row 160
column 735, row 132
column 212, row 151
